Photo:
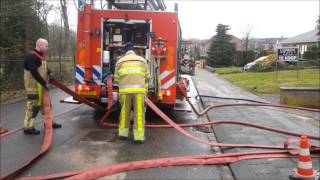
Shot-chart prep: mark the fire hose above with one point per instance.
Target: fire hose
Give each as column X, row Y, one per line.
column 217, row 122
column 185, row 133
column 38, row 122
column 47, row 136
column 229, row 98
column 212, row 159
column 110, row 101
column 75, row 95
column 48, row 125
column 149, row 103
column 48, row 129
column 182, row 131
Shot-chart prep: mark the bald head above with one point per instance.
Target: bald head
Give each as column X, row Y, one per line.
column 42, row 45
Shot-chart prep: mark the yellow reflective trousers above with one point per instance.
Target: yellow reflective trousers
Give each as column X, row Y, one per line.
column 135, row 102
column 34, row 92
column 34, row 105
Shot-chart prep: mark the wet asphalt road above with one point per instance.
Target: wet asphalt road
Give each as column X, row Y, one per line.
column 81, row 143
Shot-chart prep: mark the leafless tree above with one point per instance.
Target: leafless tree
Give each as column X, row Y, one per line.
column 246, row 36
column 64, row 15
column 43, row 9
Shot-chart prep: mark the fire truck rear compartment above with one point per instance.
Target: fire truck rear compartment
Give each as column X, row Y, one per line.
column 116, row 35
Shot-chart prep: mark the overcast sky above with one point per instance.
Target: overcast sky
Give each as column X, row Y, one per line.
column 273, row 18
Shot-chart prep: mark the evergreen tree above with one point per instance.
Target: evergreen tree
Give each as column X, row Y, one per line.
column 221, row 51
column 20, row 27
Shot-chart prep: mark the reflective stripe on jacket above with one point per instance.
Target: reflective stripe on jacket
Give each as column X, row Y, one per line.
column 131, row 73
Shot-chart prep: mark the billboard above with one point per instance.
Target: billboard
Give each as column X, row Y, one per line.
column 287, row 54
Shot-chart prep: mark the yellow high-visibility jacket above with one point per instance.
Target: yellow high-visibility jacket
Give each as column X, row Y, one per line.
column 132, row 74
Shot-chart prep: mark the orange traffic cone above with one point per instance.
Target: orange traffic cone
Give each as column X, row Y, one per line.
column 304, row 170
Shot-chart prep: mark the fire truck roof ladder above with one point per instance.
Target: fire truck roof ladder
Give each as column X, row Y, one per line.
column 153, row 5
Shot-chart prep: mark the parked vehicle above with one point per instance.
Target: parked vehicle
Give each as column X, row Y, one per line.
column 248, row 66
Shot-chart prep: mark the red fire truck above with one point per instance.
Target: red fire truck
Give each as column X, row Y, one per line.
column 101, row 36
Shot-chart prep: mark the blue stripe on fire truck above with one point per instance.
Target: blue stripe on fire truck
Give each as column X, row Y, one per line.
column 80, row 74
column 97, row 74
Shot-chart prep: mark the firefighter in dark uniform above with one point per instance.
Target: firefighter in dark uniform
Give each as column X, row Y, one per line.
column 36, row 76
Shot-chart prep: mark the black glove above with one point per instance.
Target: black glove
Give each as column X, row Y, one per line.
column 46, row 87
column 50, row 76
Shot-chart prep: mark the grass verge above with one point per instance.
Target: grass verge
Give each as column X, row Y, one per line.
column 269, row 82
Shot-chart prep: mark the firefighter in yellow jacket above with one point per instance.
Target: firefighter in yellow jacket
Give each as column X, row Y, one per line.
column 36, row 74
column 132, row 76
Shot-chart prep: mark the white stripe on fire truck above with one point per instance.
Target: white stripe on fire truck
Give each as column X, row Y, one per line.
column 97, row 74
column 79, row 78
column 164, row 74
column 79, row 74
column 169, row 83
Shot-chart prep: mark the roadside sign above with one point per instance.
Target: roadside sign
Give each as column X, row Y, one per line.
column 288, row 54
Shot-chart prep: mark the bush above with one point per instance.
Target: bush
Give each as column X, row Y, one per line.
column 310, row 63
column 67, row 71
column 312, row 52
column 11, row 75
column 271, row 65
column 243, row 58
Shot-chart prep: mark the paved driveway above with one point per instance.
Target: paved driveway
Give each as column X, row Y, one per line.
column 303, row 122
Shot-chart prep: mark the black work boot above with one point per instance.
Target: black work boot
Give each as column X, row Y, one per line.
column 31, row 131
column 139, row 141
column 56, row 125
column 122, row 138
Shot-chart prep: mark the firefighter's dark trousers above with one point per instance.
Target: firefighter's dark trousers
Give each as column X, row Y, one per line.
column 135, row 102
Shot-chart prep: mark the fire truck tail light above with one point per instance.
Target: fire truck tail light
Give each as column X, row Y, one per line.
column 79, row 87
column 166, row 92
column 82, row 87
column 87, row 88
